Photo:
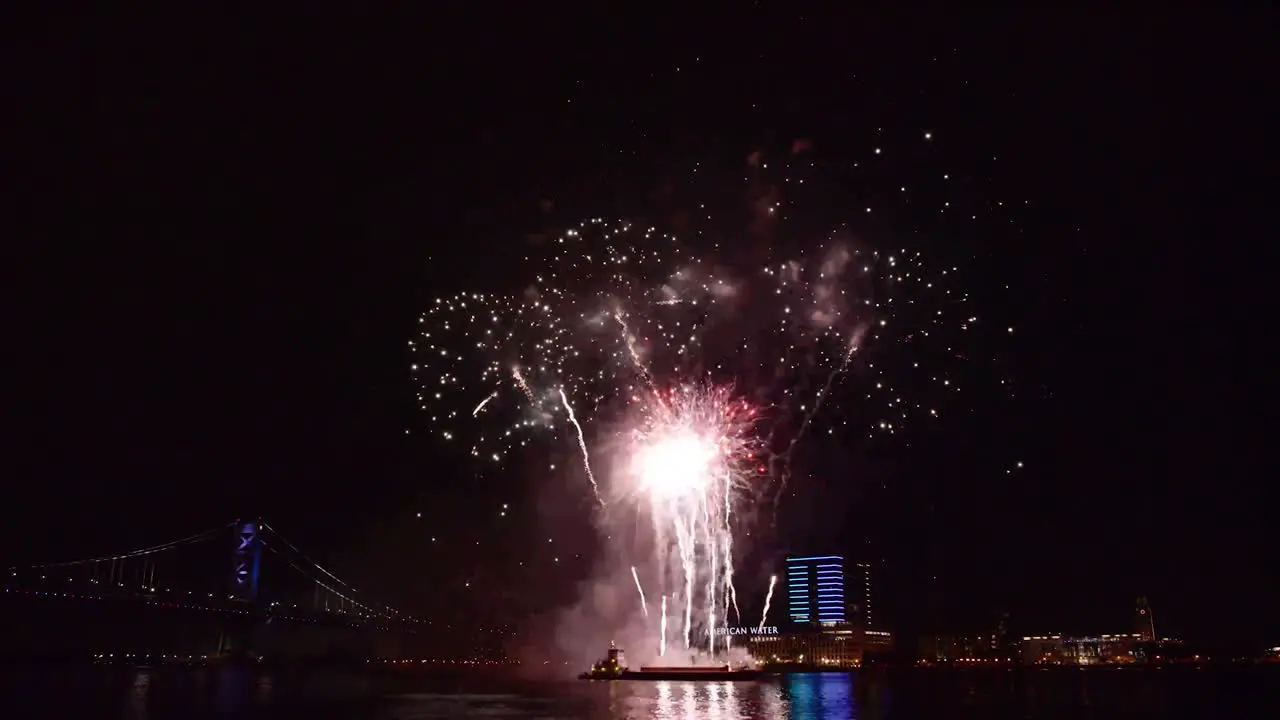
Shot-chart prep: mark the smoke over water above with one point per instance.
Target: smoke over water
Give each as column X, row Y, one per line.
column 606, row 610
column 611, row 611
column 632, row 593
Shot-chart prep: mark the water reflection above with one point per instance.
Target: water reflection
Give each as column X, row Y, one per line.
column 233, row 689
column 665, row 705
column 869, row 694
column 823, row 695
column 139, row 695
column 808, row 697
column 265, row 687
column 688, row 700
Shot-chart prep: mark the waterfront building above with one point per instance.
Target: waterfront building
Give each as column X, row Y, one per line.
column 825, row 590
column 815, row 589
column 835, row 645
column 963, row 648
column 1115, row 649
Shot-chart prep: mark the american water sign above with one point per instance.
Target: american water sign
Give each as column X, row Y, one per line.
column 761, row 630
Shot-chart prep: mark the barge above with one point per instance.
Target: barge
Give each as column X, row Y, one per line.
column 614, row 668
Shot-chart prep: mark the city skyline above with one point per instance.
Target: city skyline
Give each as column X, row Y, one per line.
column 151, row 573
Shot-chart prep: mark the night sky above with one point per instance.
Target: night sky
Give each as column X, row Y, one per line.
column 229, row 227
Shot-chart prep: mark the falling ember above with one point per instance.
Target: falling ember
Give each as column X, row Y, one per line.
column 630, row 341
column 483, row 402
column 613, row 312
column 522, row 383
column 662, row 629
column 582, row 444
column 731, row 598
column 643, row 605
column 768, row 600
column 689, row 460
column 851, row 347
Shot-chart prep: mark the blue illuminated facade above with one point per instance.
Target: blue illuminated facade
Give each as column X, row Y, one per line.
column 815, row 589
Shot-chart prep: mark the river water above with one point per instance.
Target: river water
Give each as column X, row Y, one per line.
column 89, row 692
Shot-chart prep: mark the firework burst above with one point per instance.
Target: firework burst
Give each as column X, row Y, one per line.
column 691, row 460
column 692, row 374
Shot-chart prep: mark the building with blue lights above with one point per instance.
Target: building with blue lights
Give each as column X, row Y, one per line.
column 817, row 592
column 815, row 589
column 829, row 618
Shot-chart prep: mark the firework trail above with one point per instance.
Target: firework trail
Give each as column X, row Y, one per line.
column 688, row 569
column 712, row 582
column 582, row 444
column 662, row 631
column 520, row 382
column 785, row 457
column 689, row 459
column 484, row 402
column 731, row 597
column 643, row 605
column 768, row 600
column 630, row 341
column 682, row 319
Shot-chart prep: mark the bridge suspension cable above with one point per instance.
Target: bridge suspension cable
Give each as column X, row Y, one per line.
column 328, row 588
column 303, row 555
column 297, row 560
column 388, row 611
column 132, row 553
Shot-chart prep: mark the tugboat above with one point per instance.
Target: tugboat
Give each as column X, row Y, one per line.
column 611, row 668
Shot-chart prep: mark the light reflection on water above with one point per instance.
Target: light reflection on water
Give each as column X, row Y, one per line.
column 713, row 701
column 801, row 697
column 316, row 694
column 234, row 690
column 828, row 695
column 139, row 696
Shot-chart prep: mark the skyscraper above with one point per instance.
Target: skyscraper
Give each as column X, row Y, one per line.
column 860, row 598
column 815, row 589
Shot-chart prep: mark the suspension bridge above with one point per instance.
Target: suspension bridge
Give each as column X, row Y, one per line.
column 237, row 589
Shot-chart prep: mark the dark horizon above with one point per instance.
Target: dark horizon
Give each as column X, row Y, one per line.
column 230, row 231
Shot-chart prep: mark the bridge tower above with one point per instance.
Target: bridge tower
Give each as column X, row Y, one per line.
column 236, row 636
column 245, row 561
